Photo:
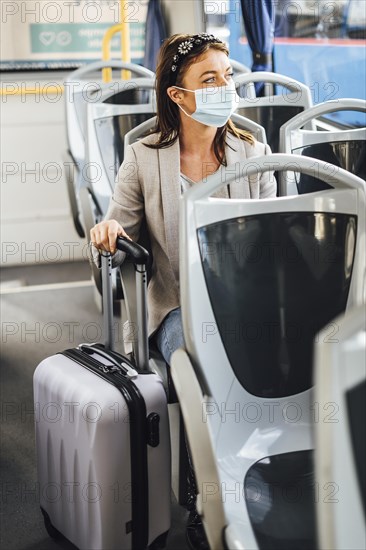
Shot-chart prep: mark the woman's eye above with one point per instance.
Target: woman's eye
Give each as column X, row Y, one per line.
column 212, row 78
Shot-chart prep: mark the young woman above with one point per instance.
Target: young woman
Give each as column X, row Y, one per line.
column 194, row 138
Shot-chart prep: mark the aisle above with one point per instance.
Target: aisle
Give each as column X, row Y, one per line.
column 37, row 322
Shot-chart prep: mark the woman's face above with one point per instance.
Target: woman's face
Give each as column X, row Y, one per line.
column 212, row 69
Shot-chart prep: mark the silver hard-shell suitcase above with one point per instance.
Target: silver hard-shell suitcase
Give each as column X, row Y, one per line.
column 102, row 438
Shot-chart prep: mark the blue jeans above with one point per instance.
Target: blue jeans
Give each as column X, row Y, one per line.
column 169, row 335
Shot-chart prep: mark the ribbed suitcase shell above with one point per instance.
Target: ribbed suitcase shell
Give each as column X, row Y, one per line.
column 83, row 455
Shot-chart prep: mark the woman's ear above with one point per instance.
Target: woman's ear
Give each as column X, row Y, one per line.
column 175, row 95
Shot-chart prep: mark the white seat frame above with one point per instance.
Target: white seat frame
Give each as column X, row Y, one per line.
column 339, row 367
column 293, row 135
column 223, row 450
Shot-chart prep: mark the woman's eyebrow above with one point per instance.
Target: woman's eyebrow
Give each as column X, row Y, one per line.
column 214, row 72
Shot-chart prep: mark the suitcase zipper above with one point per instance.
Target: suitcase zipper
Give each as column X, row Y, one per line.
column 138, row 438
column 117, row 364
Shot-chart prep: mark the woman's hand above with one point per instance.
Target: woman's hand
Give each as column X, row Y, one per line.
column 104, row 235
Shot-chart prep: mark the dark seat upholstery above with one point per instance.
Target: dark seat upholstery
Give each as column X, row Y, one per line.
column 350, row 155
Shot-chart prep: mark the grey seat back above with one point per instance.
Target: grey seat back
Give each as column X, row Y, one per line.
column 107, row 125
column 344, row 148
column 82, row 87
column 273, row 267
column 272, row 110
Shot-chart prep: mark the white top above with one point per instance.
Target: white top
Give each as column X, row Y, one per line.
column 186, row 183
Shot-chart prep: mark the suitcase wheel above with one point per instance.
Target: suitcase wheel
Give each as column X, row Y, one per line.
column 51, row 530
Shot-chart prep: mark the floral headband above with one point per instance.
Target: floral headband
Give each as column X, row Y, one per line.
column 185, row 47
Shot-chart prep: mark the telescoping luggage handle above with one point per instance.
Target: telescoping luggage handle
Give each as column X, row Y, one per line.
column 139, row 256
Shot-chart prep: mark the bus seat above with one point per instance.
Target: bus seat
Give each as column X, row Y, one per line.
column 340, row 457
column 85, row 86
column 272, row 110
column 342, row 147
column 259, row 279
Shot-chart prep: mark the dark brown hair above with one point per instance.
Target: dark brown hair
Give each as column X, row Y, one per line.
column 168, row 119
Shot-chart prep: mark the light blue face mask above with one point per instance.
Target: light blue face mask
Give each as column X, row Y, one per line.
column 214, row 106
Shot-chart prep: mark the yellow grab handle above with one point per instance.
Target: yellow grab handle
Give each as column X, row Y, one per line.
column 125, row 45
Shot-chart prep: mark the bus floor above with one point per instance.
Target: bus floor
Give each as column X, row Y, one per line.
column 37, row 321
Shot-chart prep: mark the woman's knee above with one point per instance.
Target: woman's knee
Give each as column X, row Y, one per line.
column 169, row 336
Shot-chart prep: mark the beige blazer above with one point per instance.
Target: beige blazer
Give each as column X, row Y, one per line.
column 148, row 184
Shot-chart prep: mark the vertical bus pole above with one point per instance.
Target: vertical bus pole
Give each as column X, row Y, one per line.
column 124, row 29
